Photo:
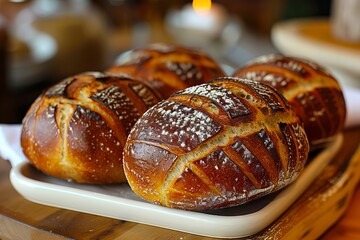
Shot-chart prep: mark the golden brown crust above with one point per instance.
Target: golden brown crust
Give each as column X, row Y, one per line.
column 76, row 129
column 167, row 68
column 215, row 145
column 312, row 91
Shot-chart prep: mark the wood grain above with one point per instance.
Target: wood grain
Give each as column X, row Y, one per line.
column 324, row 202
column 322, row 205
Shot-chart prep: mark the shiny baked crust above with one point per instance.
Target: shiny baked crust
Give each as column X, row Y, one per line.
column 215, row 145
column 167, row 68
column 312, row 91
column 76, row 129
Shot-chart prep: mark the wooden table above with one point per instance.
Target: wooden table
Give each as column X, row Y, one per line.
column 22, row 219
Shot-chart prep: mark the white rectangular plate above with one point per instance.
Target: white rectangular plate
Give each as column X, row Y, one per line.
column 119, row 202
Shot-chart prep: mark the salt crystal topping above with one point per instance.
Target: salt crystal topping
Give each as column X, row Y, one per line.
column 145, row 94
column 59, row 89
column 78, row 121
column 292, row 64
column 178, row 125
column 223, row 97
column 294, row 67
column 271, row 79
column 120, row 104
column 186, row 71
column 283, row 62
column 152, row 157
column 87, row 141
column 265, row 92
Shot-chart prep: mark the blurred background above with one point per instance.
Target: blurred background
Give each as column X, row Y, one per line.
column 44, row 41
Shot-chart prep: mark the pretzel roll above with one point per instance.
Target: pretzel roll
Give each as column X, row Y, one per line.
column 167, row 68
column 76, row 129
column 215, row 145
column 312, row 91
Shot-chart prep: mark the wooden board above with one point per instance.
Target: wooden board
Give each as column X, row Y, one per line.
column 320, row 207
column 324, row 202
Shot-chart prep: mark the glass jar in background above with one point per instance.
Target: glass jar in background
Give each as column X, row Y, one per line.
column 79, row 31
column 345, row 20
column 47, row 42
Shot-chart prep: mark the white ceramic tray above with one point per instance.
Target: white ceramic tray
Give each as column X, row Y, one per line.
column 119, row 202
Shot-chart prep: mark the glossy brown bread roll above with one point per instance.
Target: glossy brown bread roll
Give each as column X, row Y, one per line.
column 168, row 68
column 76, row 130
column 215, row 145
column 312, row 91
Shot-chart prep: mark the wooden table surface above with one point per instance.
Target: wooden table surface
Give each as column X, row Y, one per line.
column 22, row 219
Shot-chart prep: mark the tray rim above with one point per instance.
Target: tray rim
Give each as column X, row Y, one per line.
column 198, row 223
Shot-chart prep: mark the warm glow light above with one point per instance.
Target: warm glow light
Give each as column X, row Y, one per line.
column 201, row 6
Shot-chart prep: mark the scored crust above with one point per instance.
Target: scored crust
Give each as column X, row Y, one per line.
column 215, row 145
column 167, row 68
column 76, row 129
column 313, row 92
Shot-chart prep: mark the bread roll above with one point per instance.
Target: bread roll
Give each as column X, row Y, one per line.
column 215, row 145
column 76, row 130
column 167, row 68
column 312, row 91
